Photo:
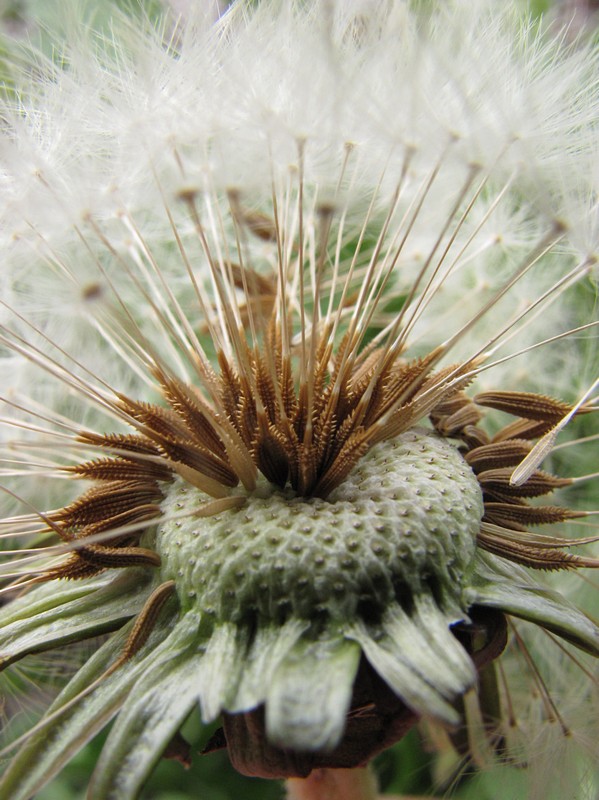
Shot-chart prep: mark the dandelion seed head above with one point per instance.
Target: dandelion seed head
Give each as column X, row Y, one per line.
column 289, row 297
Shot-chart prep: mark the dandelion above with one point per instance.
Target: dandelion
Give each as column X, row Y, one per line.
column 285, row 295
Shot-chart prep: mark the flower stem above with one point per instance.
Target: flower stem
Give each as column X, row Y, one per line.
column 334, row 784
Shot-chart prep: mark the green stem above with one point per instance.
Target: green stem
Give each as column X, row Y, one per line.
column 334, row 784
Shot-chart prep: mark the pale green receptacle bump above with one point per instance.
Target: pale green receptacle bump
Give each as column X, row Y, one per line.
column 406, row 517
column 377, row 567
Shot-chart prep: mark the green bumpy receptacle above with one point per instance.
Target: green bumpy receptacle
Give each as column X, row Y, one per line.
column 291, row 592
column 403, row 522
